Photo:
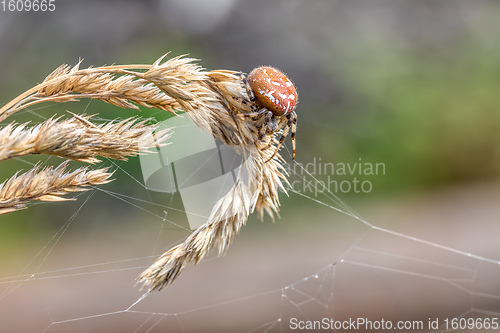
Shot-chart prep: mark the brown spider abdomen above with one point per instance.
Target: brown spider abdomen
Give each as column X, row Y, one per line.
column 273, row 90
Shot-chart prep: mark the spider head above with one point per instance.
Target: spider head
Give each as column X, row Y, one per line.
column 273, row 90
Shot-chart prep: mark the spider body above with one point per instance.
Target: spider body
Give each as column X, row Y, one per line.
column 274, row 97
column 273, row 90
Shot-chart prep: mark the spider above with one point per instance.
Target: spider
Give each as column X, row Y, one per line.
column 273, row 97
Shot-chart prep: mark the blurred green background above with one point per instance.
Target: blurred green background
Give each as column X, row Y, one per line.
column 411, row 84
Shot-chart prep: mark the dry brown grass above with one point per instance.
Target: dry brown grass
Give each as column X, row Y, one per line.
column 214, row 102
column 79, row 139
column 49, row 184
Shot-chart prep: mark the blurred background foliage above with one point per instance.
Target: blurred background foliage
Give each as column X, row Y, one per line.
column 411, row 84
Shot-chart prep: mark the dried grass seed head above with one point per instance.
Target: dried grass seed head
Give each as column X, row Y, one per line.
column 48, row 184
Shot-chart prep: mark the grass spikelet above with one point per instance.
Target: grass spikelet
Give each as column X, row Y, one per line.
column 79, row 139
column 48, row 184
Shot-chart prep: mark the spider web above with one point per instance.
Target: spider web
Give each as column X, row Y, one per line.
column 321, row 263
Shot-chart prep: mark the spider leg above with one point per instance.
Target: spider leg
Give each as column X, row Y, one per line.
column 294, row 130
column 268, row 145
column 262, row 132
column 256, row 114
column 264, row 124
column 247, row 87
column 283, row 136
